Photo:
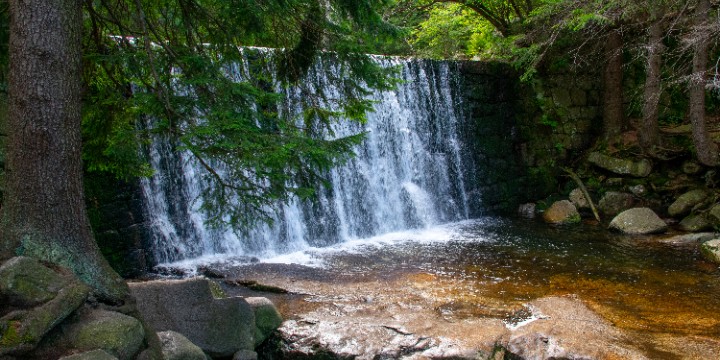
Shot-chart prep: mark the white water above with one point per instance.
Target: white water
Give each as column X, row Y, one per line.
column 407, row 175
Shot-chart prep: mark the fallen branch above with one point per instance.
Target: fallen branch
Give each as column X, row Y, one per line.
column 582, row 187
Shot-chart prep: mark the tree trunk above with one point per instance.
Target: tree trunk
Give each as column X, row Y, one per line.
column 649, row 132
column 707, row 150
column 613, row 92
column 44, row 212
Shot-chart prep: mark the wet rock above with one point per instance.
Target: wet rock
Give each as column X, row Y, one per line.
column 21, row 331
column 685, row 203
column 578, row 199
column 638, row 221
column 527, row 210
column 695, row 223
column 711, row 250
column 689, row 238
column 641, row 168
column 566, row 329
column 91, row 355
column 25, row 282
column 177, row 347
column 220, row 327
column 613, row 202
column 267, row 318
column 120, row 335
column 561, row 212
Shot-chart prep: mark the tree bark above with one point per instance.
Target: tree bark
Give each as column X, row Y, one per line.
column 613, row 114
column 649, row 131
column 44, row 213
column 707, row 150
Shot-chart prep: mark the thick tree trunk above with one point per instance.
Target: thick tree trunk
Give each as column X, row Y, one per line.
column 613, row 114
column 44, row 212
column 649, row 131
column 707, row 150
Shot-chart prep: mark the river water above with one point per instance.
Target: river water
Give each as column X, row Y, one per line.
column 657, row 290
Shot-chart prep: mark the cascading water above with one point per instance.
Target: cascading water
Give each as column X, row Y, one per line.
column 408, row 173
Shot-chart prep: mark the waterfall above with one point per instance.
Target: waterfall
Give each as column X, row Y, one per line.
column 408, row 173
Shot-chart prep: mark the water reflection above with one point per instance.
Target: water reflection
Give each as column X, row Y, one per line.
column 638, row 283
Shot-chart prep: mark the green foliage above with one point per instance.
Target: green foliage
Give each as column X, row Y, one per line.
column 169, row 69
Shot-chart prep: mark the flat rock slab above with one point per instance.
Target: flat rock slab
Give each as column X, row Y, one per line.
column 220, row 327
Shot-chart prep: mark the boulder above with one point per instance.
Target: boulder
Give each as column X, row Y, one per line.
column 527, row 210
column 220, row 327
column 25, row 282
column 711, row 250
column 641, row 168
column 578, row 199
column 695, row 223
column 177, row 347
column 638, row 221
column 267, row 318
column 685, row 202
column 561, row 212
column 613, row 202
column 91, row 355
column 21, row 331
column 120, row 335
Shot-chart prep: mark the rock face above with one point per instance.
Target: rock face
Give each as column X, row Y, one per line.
column 120, row 335
column 711, row 250
column 220, row 327
column 25, row 279
column 613, row 202
column 638, row 221
column 267, row 318
column 561, row 212
column 641, row 168
column 177, row 347
column 685, row 203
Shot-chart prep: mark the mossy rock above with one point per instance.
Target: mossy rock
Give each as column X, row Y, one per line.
column 118, row 334
column 267, row 318
column 25, row 282
column 711, row 250
column 90, row 355
column 685, row 202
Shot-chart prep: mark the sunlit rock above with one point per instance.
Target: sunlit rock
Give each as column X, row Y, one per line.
column 711, row 250
column 638, row 221
column 561, row 212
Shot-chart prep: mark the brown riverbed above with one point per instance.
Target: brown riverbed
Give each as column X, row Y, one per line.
column 463, row 294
